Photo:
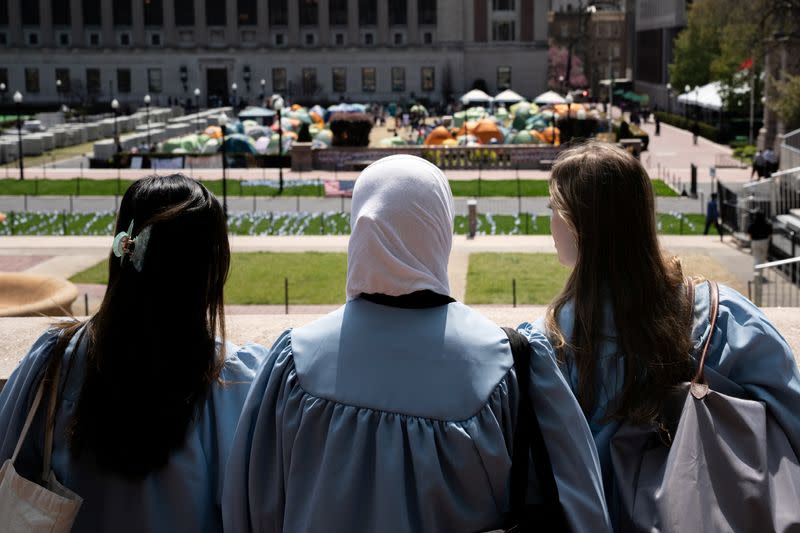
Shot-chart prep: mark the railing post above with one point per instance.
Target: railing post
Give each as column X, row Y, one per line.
column 758, row 283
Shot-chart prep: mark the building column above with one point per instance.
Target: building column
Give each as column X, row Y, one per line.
column 353, row 35
column 232, row 35
column 200, row 28
column 481, row 14
column 323, row 18
column 293, row 37
column 382, row 38
column 137, row 33
column 262, row 34
column 45, row 23
column 170, row 35
column 413, row 23
column 107, row 23
column 16, row 37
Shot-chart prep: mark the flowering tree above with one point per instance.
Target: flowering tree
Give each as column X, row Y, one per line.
column 558, row 56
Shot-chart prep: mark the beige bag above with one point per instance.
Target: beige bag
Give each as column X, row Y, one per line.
column 26, row 506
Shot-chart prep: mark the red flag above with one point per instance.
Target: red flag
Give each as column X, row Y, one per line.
column 746, row 64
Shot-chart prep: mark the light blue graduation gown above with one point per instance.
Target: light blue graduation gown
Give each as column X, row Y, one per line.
column 746, row 349
column 377, row 418
column 183, row 496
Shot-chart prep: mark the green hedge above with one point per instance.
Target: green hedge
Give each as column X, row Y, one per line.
column 706, row 130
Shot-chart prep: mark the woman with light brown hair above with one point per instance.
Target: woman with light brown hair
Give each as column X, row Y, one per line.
column 623, row 327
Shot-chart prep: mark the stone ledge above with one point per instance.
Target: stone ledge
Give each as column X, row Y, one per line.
column 18, row 334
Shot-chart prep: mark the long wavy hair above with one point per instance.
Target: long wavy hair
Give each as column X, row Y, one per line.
column 606, row 198
column 151, row 347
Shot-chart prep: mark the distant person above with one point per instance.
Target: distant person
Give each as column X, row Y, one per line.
column 770, row 162
column 758, row 165
column 658, row 123
column 712, row 214
column 695, row 132
column 395, row 413
column 150, row 392
column 760, row 232
column 624, row 131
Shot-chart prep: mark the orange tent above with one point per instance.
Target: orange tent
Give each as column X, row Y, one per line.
column 438, row 136
column 486, row 130
column 563, row 109
column 215, row 132
column 316, row 118
column 547, row 135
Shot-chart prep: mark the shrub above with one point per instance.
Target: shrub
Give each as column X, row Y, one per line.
column 706, row 130
column 351, row 129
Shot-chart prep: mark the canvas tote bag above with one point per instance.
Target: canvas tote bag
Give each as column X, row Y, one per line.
column 730, row 466
column 26, row 506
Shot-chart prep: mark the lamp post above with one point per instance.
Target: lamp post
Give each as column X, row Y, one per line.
column 696, row 98
column 197, row 106
column 3, row 93
column 669, row 97
column 234, row 88
column 58, row 90
column 686, row 90
column 115, row 107
column 223, row 120
column 18, row 102
column 263, row 90
column 569, row 100
column 277, row 104
column 147, row 112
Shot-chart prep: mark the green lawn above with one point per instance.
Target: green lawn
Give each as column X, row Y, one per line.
column 539, row 277
column 109, row 187
column 258, row 278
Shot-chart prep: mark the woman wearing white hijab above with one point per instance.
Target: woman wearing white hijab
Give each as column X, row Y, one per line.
column 395, row 412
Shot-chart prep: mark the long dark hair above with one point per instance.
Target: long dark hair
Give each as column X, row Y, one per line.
column 605, row 196
column 151, row 349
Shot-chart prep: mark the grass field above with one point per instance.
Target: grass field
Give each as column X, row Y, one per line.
column 110, row 187
column 258, row 278
column 303, row 223
column 539, row 277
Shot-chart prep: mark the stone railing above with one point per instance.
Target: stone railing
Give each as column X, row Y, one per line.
column 17, row 335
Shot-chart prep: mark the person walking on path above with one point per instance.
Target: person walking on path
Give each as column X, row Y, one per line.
column 759, row 167
column 695, row 132
column 712, row 214
column 760, row 231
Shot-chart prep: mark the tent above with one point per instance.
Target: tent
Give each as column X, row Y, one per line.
column 508, row 97
column 523, row 137
column 239, row 143
column 549, row 97
column 438, row 136
column 486, row 130
column 476, row 96
column 708, row 96
column 259, row 114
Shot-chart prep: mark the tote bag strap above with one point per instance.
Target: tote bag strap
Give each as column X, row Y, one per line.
column 51, row 420
column 31, row 414
column 699, row 387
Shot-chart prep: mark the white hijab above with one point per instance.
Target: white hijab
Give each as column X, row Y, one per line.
column 401, row 229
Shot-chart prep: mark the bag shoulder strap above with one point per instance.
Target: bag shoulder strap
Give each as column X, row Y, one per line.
column 51, row 420
column 699, row 387
column 527, row 436
column 29, row 420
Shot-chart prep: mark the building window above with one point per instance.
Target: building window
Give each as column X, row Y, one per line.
column 503, row 30
column 4, row 73
column 33, row 38
column 503, row 78
column 93, row 80
column 278, row 13
column 428, row 79
column 309, row 10
column 61, row 12
column 280, row 39
column 125, row 39
column 31, row 80
column 215, row 13
column 4, row 14
column 246, row 13
column 427, row 37
column 337, row 12
column 398, row 79
column 123, row 80
column 503, row 5
column 368, row 79
column 30, row 12
column 155, row 39
column 94, row 39
column 3, row 39
column 153, row 13
column 615, row 49
column 184, row 12
column 309, row 39
column 62, row 76
column 338, row 38
column 367, row 12
column 279, row 80
column 91, row 12
column 122, row 12
column 426, row 12
column 398, row 12
column 339, row 82
column 154, row 80
column 309, row 81
column 369, row 38
column 398, row 38
column 63, row 38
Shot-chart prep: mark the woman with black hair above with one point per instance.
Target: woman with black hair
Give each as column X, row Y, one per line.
column 149, row 392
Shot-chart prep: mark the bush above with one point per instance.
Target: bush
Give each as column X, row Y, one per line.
column 351, row 129
column 706, row 130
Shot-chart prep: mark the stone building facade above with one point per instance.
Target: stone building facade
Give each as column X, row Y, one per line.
column 308, row 50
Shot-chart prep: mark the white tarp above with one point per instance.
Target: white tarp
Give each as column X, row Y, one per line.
column 475, row 96
column 508, row 96
column 550, row 97
column 708, row 96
